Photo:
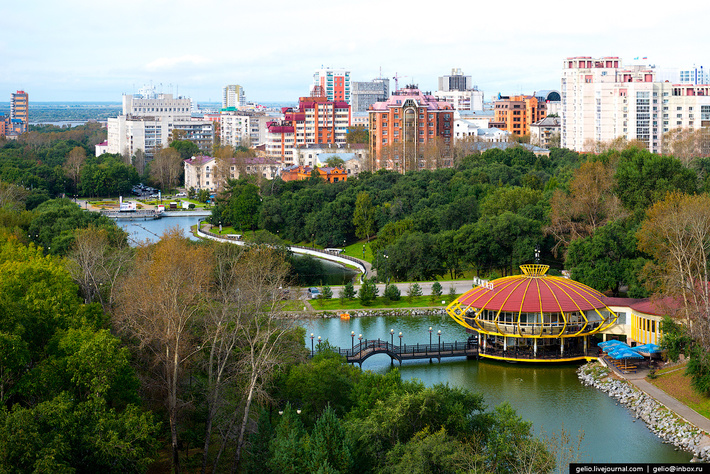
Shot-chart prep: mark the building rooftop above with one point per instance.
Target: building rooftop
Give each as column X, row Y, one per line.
column 534, row 292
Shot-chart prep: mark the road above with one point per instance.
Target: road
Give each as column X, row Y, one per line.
column 460, row 287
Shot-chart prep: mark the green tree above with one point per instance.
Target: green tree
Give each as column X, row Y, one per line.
column 186, row 148
column 55, row 223
column 643, row 178
column 325, row 381
column 436, row 291
column 357, row 134
column 368, row 291
column 364, row 216
column 166, row 169
column 414, row 291
column 288, row 447
column 391, row 292
column 241, row 208
column 68, row 390
column 329, row 447
column 326, row 292
column 429, row 452
column 608, row 259
column 334, row 162
column 348, row 291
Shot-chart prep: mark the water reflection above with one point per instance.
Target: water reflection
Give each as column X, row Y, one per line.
column 152, row 229
column 550, row 396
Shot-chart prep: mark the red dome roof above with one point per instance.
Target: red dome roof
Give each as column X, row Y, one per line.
column 533, row 292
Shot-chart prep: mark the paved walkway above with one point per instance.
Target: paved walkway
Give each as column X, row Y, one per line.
column 679, row 408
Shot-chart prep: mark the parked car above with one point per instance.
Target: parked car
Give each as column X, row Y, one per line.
column 313, row 292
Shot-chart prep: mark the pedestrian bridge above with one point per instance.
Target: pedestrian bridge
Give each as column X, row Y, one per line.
column 362, row 351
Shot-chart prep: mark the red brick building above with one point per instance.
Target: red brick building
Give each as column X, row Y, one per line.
column 404, row 126
column 516, row 114
column 317, row 120
column 299, row 173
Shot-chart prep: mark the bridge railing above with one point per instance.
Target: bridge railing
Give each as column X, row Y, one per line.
column 382, row 345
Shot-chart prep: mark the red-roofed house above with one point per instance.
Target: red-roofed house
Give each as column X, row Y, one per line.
column 299, row 173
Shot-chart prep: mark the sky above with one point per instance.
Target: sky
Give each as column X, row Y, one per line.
column 76, row 50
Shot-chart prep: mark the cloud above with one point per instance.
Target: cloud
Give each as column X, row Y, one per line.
column 163, row 64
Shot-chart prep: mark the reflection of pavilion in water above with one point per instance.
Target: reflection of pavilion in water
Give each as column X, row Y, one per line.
column 534, row 317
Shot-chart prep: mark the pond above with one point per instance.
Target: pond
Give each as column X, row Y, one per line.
column 550, row 396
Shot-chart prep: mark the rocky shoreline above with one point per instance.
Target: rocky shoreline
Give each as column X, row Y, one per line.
column 664, row 423
column 366, row 313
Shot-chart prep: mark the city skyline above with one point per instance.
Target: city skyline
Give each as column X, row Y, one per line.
column 84, row 51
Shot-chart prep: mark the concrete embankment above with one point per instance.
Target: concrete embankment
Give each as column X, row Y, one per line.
column 660, row 420
column 365, row 313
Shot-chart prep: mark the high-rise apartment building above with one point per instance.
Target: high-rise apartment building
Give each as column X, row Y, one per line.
column 148, row 122
column 603, row 100
column 695, row 76
column 455, row 82
column 316, row 120
column 20, row 108
column 148, row 103
column 402, row 126
column 459, row 91
column 516, row 114
column 233, row 96
column 334, row 84
column 243, row 128
column 364, row 94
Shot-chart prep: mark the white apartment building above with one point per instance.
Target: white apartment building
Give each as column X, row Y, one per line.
column 150, row 103
column 243, row 128
column 471, row 99
column 459, row 91
column 148, row 121
column 233, row 96
column 127, row 134
column 335, row 83
column 603, row 100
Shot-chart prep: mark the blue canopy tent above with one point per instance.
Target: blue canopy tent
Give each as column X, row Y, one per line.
column 610, row 345
column 648, row 348
column 624, row 353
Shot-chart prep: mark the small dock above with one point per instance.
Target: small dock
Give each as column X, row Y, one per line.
column 360, row 352
column 142, row 214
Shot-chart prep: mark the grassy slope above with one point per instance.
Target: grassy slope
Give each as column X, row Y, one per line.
column 676, row 384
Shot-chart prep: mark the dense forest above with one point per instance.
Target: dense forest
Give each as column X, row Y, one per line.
column 125, row 359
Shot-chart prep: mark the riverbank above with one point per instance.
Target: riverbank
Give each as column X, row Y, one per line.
column 662, row 421
column 312, row 313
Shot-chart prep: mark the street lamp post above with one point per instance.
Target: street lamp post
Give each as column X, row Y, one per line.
column 318, row 343
column 400, row 342
column 439, row 333
column 312, row 353
column 429, row 336
column 352, row 336
column 392, row 336
column 363, row 252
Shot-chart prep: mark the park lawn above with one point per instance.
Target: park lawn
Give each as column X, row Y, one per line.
column 677, row 385
column 197, row 203
column 334, row 304
column 355, row 250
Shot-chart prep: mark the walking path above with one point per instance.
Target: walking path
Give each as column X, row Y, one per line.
column 638, row 379
column 680, row 409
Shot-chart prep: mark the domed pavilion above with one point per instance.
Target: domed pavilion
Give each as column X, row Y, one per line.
column 533, row 317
